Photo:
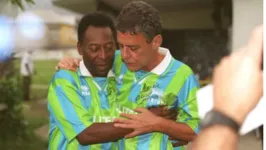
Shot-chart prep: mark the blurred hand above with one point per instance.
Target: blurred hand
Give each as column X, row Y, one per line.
column 164, row 112
column 68, row 63
column 238, row 79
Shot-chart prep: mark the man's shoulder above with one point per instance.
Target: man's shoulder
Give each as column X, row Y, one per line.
column 65, row 75
column 182, row 67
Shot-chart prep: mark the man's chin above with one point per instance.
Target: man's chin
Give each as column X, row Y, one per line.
column 103, row 73
column 133, row 69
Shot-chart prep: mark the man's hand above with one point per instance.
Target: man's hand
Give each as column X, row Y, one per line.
column 143, row 122
column 68, row 64
column 178, row 143
column 238, row 79
column 164, row 112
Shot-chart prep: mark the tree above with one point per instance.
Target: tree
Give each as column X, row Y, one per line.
column 19, row 3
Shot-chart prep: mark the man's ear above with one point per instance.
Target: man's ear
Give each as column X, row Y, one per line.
column 79, row 47
column 157, row 41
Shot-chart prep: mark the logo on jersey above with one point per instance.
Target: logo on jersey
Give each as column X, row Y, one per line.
column 153, row 94
column 156, row 96
column 85, row 90
column 121, row 109
column 104, row 119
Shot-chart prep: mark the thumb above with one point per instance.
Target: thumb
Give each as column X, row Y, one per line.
column 132, row 134
column 255, row 45
column 76, row 62
column 141, row 110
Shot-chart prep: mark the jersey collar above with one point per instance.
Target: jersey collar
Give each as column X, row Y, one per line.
column 163, row 65
column 85, row 72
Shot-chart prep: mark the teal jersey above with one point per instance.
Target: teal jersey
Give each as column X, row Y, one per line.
column 172, row 83
column 75, row 102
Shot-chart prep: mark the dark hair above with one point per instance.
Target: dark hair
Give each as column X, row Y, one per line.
column 139, row 16
column 96, row 19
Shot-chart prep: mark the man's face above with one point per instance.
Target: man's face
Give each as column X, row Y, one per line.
column 136, row 51
column 98, row 49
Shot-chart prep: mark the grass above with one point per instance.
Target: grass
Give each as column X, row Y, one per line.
column 37, row 93
column 45, row 70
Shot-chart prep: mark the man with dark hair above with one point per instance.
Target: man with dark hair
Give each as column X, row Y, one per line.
column 155, row 78
column 148, row 76
column 80, row 102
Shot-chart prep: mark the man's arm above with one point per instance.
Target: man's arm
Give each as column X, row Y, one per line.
column 101, row 133
column 219, row 137
column 73, row 120
column 187, row 125
column 178, row 131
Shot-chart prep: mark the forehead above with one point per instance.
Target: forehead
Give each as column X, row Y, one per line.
column 127, row 38
column 100, row 34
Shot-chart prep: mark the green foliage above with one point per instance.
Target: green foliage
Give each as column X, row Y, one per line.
column 11, row 116
column 19, row 3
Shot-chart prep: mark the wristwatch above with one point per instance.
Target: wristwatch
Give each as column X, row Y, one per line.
column 215, row 117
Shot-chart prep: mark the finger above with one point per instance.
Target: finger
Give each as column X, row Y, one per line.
column 62, row 65
column 173, row 116
column 76, row 62
column 121, row 125
column 181, row 143
column 73, row 69
column 129, row 116
column 170, row 112
column 122, row 121
column 165, row 108
column 57, row 68
column 171, row 138
column 141, row 110
column 255, row 44
column 132, row 134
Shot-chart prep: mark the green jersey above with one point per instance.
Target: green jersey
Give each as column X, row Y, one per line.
column 76, row 100
column 171, row 83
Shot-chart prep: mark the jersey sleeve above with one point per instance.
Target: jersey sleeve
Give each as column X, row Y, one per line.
column 64, row 105
column 187, row 103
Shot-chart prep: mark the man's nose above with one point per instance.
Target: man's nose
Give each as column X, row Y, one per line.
column 102, row 54
column 125, row 52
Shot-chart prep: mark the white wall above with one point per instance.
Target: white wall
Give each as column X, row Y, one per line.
column 246, row 15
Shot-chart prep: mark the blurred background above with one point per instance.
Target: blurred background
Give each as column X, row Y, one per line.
column 41, row 32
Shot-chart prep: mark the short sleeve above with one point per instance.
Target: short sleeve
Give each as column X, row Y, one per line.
column 64, row 105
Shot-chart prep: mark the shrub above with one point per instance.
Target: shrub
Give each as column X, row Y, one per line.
column 11, row 115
